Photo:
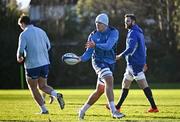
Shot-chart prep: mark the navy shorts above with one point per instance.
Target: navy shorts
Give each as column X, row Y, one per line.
column 37, row 72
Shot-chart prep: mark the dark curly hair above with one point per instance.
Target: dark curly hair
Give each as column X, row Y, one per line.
column 132, row 16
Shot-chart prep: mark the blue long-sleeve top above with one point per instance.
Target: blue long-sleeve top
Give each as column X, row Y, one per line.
column 104, row 51
column 135, row 52
column 35, row 43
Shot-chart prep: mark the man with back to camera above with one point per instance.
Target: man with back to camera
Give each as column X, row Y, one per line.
column 135, row 55
column 35, row 43
column 100, row 47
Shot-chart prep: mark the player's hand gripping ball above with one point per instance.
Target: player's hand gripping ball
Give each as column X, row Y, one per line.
column 70, row 58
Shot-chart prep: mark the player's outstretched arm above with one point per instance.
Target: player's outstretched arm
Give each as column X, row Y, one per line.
column 90, row 44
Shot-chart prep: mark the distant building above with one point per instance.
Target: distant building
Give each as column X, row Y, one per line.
column 39, row 12
column 50, row 14
column 48, row 9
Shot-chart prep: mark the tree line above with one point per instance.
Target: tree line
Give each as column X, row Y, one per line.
column 160, row 20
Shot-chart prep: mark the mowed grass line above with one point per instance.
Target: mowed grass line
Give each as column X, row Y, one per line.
column 17, row 105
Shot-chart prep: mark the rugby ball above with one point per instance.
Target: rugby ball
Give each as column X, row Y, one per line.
column 70, row 58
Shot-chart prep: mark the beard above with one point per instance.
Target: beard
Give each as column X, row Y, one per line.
column 128, row 26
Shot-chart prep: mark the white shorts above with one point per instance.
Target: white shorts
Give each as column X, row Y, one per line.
column 129, row 74
column 102, row 70
column 103, row 73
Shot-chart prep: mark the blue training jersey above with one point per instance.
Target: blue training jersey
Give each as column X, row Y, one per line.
column 105, row 49
column 135, row 52
column 35, row 43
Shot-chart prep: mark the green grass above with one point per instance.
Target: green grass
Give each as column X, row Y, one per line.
column 17, row 105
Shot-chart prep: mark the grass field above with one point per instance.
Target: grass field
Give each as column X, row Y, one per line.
column 17, row 105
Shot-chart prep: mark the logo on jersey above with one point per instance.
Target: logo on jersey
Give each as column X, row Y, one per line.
column 98, row 40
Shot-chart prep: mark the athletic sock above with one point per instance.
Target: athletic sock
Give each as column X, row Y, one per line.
column 123, row 97
column 85, row 107
column 112, row 106
column 43, row 108
column 53, row 93
column 148, row 93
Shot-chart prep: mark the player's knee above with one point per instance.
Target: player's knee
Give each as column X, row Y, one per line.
column 125, row 86
column 100, row 89
column 42, row 87
column 126, row 83
column 108, row 80
column 32, row 86
column 142, row 83
column 33, row 89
